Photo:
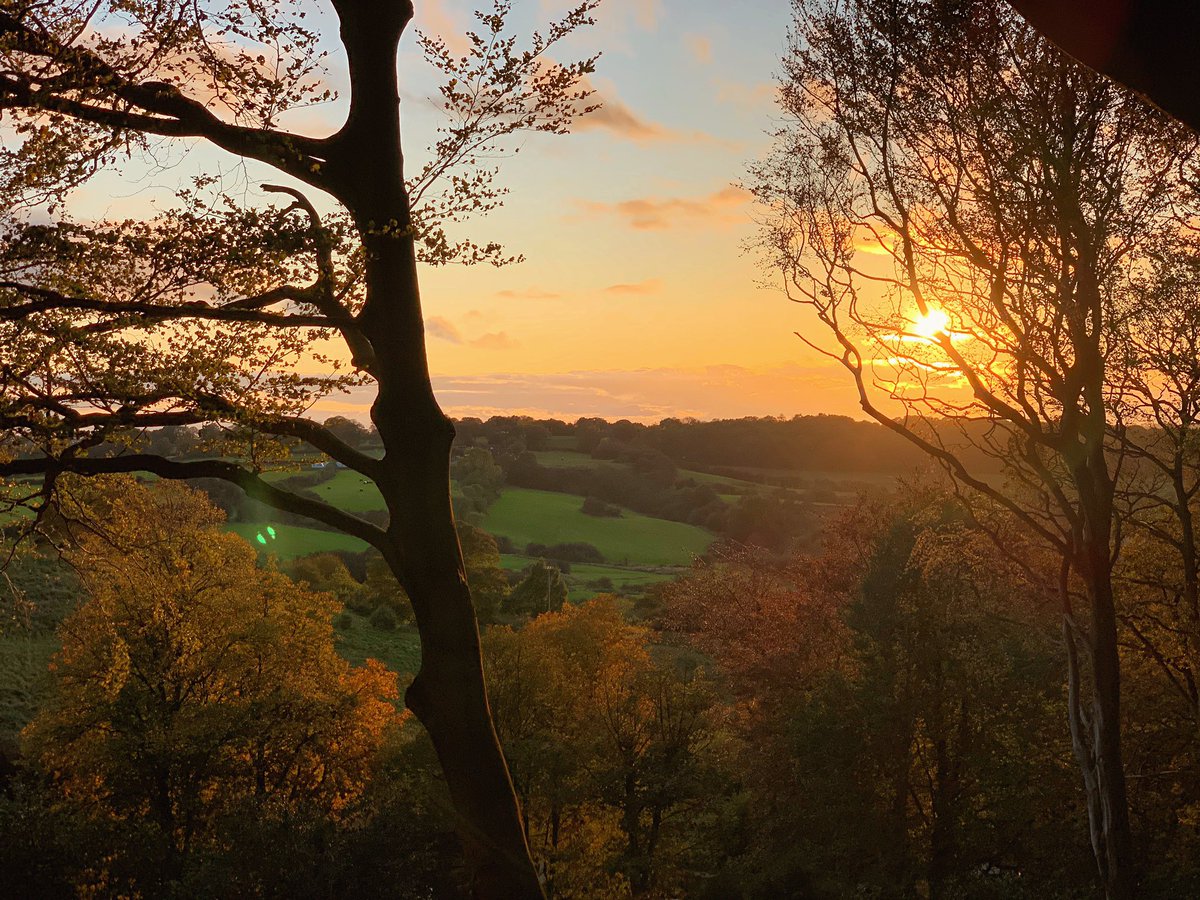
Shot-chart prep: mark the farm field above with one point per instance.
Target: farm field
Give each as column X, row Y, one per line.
column 293, row 540
column 347, row 489
column 350, row 491
column 735, row 487
column 528, row 516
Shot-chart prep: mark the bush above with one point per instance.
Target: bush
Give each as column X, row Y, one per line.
column 327, row 572
column 309, row 478
column 384, row 618
column 354, row 561
column 343, row 621
column 594, row 506
column 542, row 589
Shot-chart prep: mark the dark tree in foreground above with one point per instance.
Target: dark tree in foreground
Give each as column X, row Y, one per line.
column 215, row 313
column 965, row 212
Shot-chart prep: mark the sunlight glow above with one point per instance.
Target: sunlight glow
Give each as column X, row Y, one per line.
column 932, row 324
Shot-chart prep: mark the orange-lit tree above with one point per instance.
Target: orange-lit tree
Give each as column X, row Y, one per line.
column 214, row 313
column 192, row 682
column 962, row 210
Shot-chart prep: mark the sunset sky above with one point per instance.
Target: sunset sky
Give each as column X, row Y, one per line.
column 637, row 298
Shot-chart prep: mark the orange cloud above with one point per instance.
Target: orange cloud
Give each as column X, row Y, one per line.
column 640, row 288
column 441, row 327
column 616, row 117
column 647, row 13
column 700, row 47
column 531, row 293
column 647, row 395
column 434, row 18
column 723, row 207
column 495, row 340
column 615, row 15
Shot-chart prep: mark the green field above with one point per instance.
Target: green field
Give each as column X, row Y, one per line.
column 399, row 650
column 569, row 459
column 24, row 679
column 292, row 540
column 347, row 490
column 544, row 517
column 350, row 491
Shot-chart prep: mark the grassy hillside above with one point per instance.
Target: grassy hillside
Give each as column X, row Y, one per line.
column 350, row 491
column 543, row 517
column 291, row 540
column 358, row 640
column 24, row 679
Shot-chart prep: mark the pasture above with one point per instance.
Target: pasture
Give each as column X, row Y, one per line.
column 291, row 541
column 528, row 516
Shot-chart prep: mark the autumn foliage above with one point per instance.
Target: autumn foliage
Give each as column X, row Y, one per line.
column 193, row 683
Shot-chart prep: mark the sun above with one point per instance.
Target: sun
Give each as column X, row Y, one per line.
column 932, row 324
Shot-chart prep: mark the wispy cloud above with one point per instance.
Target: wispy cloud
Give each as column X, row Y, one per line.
column 529, row 293
column 495, row 340
column 700, row 47
column 443, row 328
column 652, row 394
column 648, row 395
column 747, row 96
column 723, row 207
column 647, row 13
column 434, row 18
column 616, row 117
column 640, row 288
column 617, row 15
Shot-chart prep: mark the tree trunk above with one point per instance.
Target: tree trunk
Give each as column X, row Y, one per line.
column 1115, row 857
column 448, row 694
column 1096, row 738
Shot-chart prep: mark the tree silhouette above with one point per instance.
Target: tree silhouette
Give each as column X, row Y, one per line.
column 962, row 209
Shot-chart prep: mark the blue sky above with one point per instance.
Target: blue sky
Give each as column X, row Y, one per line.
column 637, row 297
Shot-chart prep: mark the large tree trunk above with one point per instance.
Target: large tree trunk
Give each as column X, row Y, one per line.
column 1096, row 738
column 448, row 694
column 1115, row 856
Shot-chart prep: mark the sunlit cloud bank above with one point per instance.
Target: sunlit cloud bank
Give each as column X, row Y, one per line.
column 645, row 395
column 723, row 207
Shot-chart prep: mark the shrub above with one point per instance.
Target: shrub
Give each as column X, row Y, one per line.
column 594, row 506
column 384, row 618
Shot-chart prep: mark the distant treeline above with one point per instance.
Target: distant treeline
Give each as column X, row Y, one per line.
column 759, row 449
column 801, row 443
